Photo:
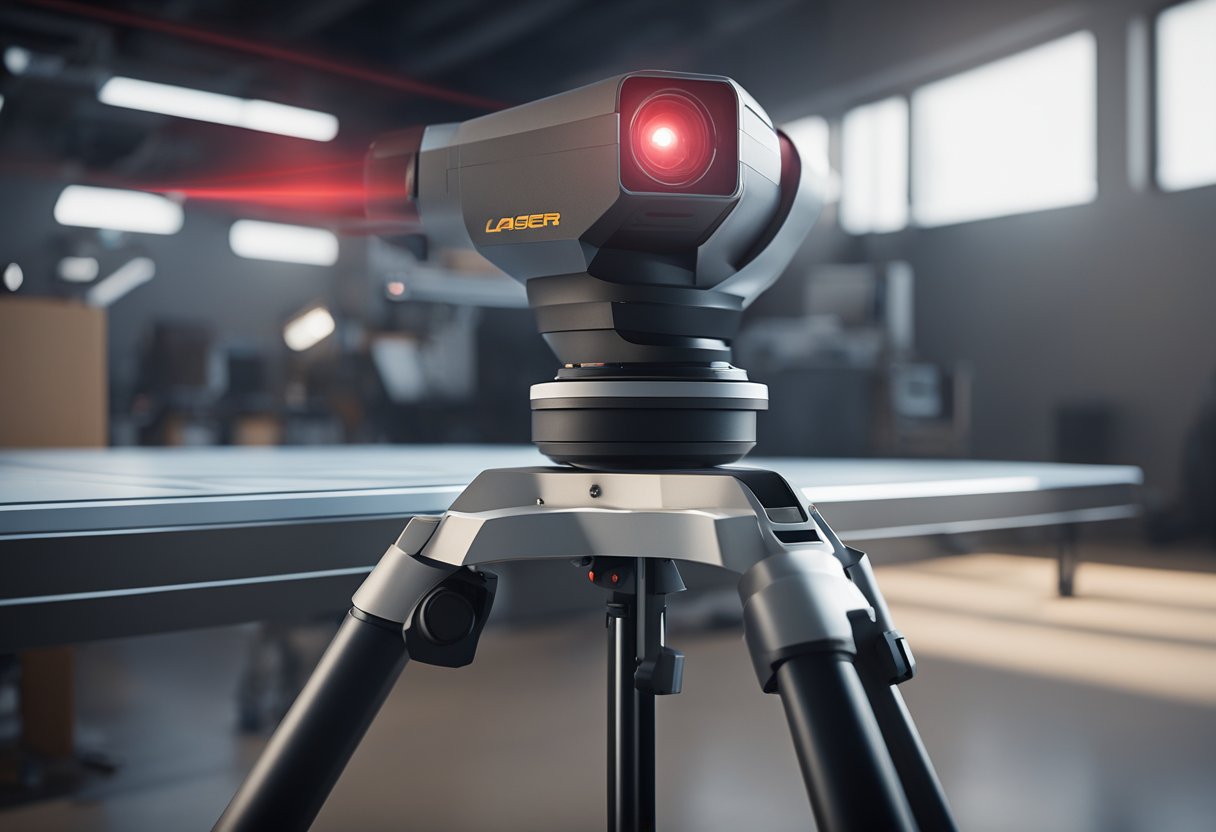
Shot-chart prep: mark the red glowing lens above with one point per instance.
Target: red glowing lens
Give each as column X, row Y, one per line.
column 672, row 138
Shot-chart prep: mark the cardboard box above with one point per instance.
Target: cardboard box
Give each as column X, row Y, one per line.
column 53, row 390
column 53, row 394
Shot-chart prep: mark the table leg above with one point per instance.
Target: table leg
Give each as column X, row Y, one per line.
column 1068, row 558
column 48, row 715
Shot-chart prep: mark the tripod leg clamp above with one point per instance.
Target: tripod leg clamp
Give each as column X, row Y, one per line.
column 402, row 577
column 441, row 609
column 884, row 649
column 796, row 602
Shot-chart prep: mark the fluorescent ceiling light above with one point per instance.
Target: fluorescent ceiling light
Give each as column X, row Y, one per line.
column 17, row 60
column 1, row 102
column 91, row 207
column 13, row 277
column 78, row 269
column 285, row 243
column 135, row 273
column 266, row 116
column 308, row 329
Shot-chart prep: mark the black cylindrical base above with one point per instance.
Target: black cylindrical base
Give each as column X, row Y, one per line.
column 293, row 776
column 845, row 763
column 647, row 418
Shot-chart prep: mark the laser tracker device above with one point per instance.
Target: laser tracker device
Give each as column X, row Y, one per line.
column 643, row 214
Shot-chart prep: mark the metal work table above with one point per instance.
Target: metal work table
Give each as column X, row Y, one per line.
column 99, row 544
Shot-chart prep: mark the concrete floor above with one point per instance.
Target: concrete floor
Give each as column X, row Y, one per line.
column 1093, row 713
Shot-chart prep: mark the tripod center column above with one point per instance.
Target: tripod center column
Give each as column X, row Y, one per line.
column 640, row 667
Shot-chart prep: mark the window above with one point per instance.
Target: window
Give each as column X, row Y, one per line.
column 1186, row 95
column 874, row 167
column 812, row 136
column 1011, row 136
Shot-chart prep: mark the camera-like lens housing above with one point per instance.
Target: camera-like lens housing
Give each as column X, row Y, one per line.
column 679, row 136
column 672, row 138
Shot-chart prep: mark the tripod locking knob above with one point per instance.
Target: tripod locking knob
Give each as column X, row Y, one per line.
column 446, row 624
column 446, row 617
column 662, row 673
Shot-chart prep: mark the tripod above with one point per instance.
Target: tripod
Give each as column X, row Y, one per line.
column 816, row 626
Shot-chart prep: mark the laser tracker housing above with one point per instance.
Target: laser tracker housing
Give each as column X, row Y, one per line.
column 643, row 213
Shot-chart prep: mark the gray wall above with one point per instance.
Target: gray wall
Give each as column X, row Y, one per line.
column 1114, row 301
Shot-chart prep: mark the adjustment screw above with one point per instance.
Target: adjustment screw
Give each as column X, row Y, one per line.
column 595, row 491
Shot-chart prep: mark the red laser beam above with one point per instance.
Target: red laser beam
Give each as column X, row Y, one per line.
column 337, row 202
column 264, row 50
column 342, row 192
column 334, row 198
column 282, row 195
column 282, row 173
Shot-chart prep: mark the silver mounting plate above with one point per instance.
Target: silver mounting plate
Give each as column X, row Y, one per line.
column 707, row 517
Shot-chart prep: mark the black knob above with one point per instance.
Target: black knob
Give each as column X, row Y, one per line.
column 661, row 674
column 446, row 617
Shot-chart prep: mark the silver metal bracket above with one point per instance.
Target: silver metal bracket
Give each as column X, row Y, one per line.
column 796, row 589
column 401, row 578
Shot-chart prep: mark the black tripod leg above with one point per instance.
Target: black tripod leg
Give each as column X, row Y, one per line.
column 885, row 660
column 290, row 781
column 925, row 793
column 797, row 608
column 848, row 773
column 409, row 607
column 888, row 660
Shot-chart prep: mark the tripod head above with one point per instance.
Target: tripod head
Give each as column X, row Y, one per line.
column 643, row 213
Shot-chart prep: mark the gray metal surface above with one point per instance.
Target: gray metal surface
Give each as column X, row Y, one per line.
column 554, row 513
column 95, row 544
column 650, row 389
